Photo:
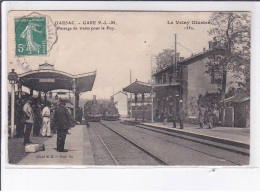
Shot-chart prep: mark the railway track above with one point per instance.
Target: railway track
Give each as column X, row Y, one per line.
column 104, row 144
column 112, row 148
column 165, row 137
column 161, row 161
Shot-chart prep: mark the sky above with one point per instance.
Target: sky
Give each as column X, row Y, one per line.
column 136, row 38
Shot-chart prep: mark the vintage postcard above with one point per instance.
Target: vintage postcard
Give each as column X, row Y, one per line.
column 128, row 88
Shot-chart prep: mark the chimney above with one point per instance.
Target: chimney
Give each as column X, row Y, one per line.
column 177, row 57
column 212, row 44
column 94, row 98
column 181, row 58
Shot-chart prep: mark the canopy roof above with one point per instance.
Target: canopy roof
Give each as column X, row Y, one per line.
column 138, row 88
column 47, row 79
column 141, row 87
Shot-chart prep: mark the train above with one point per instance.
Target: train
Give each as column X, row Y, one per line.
column 95, row 111
column 110, row 113
column 92, row 111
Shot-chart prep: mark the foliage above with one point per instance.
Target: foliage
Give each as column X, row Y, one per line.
column 231, row 35
column 209, row 99
column 231, row 92
column 164, row 59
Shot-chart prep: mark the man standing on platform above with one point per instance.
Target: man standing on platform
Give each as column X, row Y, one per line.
column 61, row 123
column 46, row 121
column 29, row 120
column 19, row 119
column 182, row 115
column 37, row 123
column 174, row 118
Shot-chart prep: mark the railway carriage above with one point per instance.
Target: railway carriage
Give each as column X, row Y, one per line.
column 111, row 113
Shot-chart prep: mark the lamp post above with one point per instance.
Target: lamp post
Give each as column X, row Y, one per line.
column 13, row 78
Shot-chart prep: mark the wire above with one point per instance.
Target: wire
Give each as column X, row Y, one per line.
column 184, row 47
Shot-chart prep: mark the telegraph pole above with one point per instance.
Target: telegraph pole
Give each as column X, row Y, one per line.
column 175, row 56
column 152, row 87
column 176, row 74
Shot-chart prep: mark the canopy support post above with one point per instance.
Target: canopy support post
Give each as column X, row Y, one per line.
column 131, row 108
column 74, row 93
column 45, row 98
column 135, row 107
column 77, row 99
column 12, row 109
column 19, row 90
column 143, row 107
column 152, row 105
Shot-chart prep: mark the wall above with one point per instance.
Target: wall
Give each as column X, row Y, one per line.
column 198, row 83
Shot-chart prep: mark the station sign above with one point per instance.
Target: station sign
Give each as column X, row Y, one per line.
column 61, row 93
column 46, row 80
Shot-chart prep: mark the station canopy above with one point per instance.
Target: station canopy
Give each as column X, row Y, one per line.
column 138, row 88
column 141, row 87
column 46, row 79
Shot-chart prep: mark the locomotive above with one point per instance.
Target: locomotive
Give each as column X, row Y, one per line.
column 95, row 111
column 92, row 111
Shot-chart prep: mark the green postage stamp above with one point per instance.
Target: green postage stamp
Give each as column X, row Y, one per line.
column 30, row 36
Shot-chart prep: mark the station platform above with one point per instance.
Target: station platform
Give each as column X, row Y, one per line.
column 77, row 143
column 236, row 136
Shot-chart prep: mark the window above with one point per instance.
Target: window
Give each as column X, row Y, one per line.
column 170, row 78
column 164, row 78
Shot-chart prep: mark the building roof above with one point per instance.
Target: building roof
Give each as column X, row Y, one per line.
column 47, row 79
column 238, row 98
column 189, row 60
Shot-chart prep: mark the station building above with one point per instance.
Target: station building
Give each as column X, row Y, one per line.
column 194, row 82
column 187, row 85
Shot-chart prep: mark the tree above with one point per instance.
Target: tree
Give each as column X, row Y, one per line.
column 164, row 59
column 231, row 35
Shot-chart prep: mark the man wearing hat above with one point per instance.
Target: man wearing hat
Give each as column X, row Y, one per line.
column 61, row 122
column 29, row 120
column 182, row 114
column 19, row 119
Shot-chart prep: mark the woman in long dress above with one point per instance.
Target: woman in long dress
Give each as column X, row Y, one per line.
column 28, row 34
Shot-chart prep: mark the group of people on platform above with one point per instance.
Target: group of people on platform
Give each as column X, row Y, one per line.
column 175, row 117
column 208, row 116
column 43, row 119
